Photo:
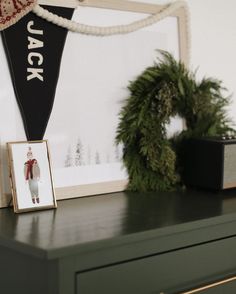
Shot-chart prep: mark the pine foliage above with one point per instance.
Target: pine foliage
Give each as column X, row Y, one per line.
column 162, row 91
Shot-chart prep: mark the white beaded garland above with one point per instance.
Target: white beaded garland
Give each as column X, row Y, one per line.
column 121, row 29
column 113, row 30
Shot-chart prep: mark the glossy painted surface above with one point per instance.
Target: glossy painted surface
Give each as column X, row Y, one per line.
column 87, row 243
column 85, row 221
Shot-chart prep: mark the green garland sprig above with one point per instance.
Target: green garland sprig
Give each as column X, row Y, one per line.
column 162, row 91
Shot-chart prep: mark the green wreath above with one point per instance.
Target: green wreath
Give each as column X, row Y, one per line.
column 162, row 91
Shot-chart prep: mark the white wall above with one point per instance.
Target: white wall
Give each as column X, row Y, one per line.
column 213, row 41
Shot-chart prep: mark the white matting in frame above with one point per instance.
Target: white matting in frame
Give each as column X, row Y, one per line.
column 30, row 175
column 95, row 73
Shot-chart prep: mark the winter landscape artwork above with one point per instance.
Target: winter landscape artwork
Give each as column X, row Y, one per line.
column 94, row 77
column 30, row 175
column 92, row 87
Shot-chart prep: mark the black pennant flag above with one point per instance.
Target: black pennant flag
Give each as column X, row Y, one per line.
column 34, row 50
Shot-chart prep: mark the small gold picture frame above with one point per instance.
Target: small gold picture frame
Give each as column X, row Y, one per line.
column 31, row 176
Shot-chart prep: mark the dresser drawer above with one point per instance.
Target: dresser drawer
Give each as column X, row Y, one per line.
column 168, row 272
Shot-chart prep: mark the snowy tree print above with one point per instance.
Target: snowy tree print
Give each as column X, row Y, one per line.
column 118, row 152
column 79, row 153
column 108, row 159
column 97, row 158
column 68, row 161
column 89, row 155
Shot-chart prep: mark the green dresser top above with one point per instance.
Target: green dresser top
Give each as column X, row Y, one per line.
column 170, row 220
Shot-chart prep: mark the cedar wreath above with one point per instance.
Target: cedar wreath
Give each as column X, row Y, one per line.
column 162, row 91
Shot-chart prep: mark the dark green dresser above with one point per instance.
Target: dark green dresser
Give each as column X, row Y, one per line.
column 123, row 243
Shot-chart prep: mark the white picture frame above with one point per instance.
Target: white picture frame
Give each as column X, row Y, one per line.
column 31, row 176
